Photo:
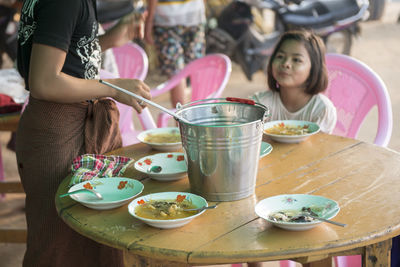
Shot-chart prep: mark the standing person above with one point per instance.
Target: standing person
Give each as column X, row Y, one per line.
column 297, row 75
column 68, row 114
column 178, row 31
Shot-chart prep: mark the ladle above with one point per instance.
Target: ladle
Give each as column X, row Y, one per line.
column 83, row 190
column 173, row 114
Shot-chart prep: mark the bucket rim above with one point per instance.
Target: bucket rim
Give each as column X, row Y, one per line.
column 227, row 100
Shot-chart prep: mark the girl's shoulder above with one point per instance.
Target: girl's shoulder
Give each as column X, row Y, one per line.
column 264, row 96
column 324, row 100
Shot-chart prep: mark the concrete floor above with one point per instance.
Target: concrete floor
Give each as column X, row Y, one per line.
column 378, row 47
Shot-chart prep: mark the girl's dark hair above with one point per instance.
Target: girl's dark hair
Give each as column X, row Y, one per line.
column 317, row 81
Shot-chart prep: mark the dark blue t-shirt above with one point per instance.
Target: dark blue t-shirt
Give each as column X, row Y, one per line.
column 69, row 25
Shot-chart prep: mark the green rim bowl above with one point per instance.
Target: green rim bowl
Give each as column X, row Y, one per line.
column 173, row 166
column 325, row 208
column 313, row 127
column 161, row 146
column 116, row 191
column 198, row 201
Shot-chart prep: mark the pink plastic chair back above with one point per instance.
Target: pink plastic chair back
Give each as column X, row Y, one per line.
column 132, row 61
column 208, row 77
column 126, row 126
column 355, row 89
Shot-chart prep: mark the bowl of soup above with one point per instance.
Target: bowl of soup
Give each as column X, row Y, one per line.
column 289, row 211
column 290, row 131
column 167, row 210
column 163, row 139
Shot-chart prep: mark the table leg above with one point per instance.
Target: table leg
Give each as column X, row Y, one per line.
column 377, row 254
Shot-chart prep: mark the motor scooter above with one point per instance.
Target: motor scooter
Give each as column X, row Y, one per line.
column 234, row 33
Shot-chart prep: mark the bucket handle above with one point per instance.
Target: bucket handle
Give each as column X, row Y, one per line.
column 241, row 100
column 250, row 102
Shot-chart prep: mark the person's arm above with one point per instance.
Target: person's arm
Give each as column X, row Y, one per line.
column 48, row 82
column 148, row 27
column 129, row 27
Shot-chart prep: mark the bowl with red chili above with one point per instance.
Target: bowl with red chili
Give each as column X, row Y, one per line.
column 116, row 191
column 172, row 166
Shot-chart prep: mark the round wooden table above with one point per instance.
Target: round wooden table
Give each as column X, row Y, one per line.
column 363, row 178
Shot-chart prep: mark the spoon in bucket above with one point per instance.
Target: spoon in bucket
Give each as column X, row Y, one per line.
column 173, row 114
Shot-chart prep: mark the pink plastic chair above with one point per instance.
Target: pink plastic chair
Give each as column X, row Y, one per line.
column 126, row 126
column 355, row 89
column 132, row 61
column 208, row 78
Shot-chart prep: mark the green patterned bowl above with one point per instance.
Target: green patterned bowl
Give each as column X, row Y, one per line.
column 322, row 206
column 116, row 191
column 198, row 202
column 313, row 128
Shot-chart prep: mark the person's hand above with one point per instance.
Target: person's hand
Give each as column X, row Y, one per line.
column 135, row 86
column 128, row 28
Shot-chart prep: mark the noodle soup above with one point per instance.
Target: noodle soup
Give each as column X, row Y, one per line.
column 168, row 209
column 163, row 138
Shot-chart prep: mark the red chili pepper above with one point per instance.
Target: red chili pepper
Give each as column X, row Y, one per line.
column 170, row 156
column 180, row 158
column 148, row 161
column 180, row 198
column 140, row 164
column 88, row 186
column 140, row 202
column 121, row 185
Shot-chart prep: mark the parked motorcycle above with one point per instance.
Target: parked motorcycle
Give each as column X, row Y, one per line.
column 234, row 33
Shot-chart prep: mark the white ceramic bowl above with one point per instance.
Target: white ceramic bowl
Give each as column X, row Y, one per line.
column 313, row 129
column 116, row 191
column 161, row 146
column 173, row 166
column 198, row 201
column 327, row 209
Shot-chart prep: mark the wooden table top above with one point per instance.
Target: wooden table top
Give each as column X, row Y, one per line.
column 363, row 178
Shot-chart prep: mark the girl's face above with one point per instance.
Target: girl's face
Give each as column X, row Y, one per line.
column 291, row 65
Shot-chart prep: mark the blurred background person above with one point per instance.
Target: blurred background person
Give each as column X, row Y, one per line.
column 176, row 29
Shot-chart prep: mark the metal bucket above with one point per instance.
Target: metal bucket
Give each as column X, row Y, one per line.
column 222, row 146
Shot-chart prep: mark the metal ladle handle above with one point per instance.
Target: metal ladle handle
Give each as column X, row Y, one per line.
column 146, row 101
